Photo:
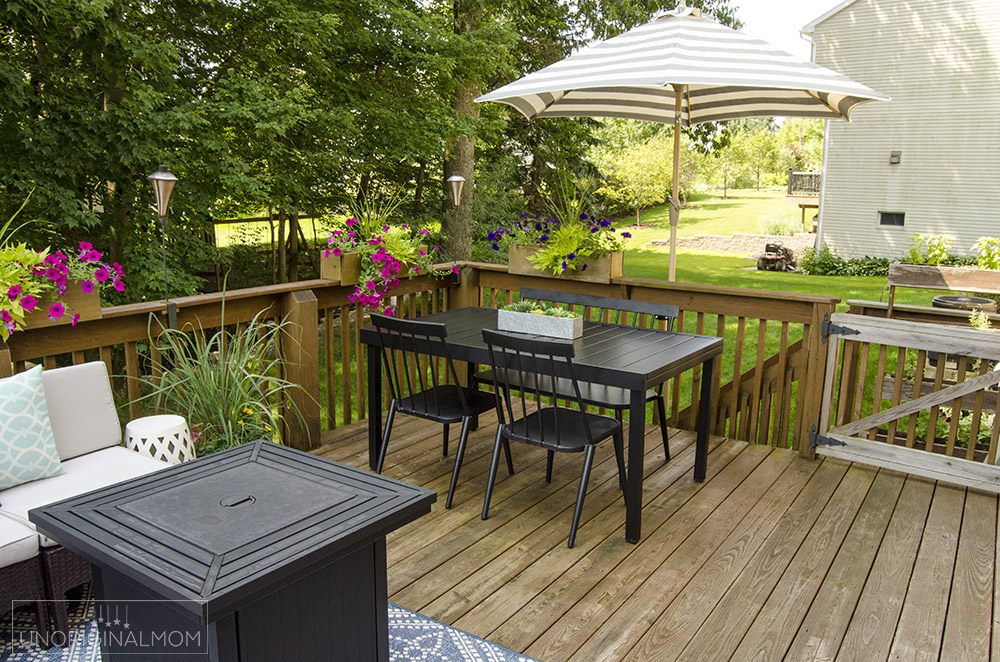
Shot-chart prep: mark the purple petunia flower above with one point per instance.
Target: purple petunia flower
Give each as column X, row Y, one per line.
column 28, row 302
column 118, row 285
column 87, row 286
column 564, row 265
column 6, row 317
column 73, row 320
column 85, row 246
column 627, row 235
column 571, row 256
column 583, row 268
column 56, row 311
column 14, row 292
column 101, row 275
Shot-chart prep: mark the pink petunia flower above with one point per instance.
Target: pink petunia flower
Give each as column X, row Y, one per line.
column 56, row 311
column 326, row 253
column 28, row 302
column 14, row 292
column 73, row 320
column 86, row 246
column 101, row 275
column 6, row 317
column 118, row 269
column 337, row 252
column 87, row 286
column 118, row 285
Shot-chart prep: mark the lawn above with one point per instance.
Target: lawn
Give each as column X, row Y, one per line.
column 712, row 214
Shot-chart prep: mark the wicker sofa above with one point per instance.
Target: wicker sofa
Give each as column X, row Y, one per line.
column 88, row 439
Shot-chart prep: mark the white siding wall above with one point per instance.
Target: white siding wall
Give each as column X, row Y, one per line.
column 940, row 63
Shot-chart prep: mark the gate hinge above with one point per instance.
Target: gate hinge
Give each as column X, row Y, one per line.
column 816, row 439
column 829, row 329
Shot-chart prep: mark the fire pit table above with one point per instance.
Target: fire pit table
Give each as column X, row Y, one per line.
column 261, row 553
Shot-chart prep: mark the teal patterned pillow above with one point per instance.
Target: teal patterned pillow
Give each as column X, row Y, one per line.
column 27, row 447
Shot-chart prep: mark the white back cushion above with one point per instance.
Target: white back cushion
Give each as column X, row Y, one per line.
column 81, row 409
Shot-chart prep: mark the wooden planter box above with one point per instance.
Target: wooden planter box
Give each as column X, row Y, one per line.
column 567, row 328
column 77, row 302
column 346, row 268
column 599, row 269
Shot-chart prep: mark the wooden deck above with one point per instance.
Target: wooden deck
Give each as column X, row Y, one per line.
column 773, row 557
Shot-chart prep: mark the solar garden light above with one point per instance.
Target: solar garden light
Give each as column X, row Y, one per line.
column 457, row 182
column 163, row 185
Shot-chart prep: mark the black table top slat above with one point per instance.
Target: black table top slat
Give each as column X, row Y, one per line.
column 218, row 532
column 624, row 356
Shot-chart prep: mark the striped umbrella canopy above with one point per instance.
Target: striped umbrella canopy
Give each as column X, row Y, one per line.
column 683, row 68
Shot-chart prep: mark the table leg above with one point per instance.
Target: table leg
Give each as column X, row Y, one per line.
column 633, row 472
column 704, row 421
column 374, row 404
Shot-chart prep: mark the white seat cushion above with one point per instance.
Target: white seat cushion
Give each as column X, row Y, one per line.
column 82, row 474
column 17, row 542
column 81, row 409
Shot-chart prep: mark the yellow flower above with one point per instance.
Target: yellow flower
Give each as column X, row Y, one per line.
column 240, row 422
column 247, row 410
column 267, row 428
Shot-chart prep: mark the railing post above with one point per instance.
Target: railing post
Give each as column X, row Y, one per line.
column 813, row 381
column 6, row 364
column 300, row 351
column 467, row 292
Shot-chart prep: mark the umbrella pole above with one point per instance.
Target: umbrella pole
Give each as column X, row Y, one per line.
column 675, row 205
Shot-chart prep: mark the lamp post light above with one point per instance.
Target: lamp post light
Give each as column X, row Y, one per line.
column 457, row 182
column 163, row 185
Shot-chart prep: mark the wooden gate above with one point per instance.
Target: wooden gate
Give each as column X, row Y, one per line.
column 914, row 397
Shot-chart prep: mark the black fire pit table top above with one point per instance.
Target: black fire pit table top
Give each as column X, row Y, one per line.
column 219, row 532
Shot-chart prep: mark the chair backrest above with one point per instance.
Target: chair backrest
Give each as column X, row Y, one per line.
column 611, row 310
column 81, row 409
column 403, row 343
column 530, row 368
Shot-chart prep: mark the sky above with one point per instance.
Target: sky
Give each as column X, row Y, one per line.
column 779, row 21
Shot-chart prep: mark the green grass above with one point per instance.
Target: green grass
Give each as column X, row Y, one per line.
column 710, row 213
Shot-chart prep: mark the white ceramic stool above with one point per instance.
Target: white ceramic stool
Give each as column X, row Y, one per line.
column 165, row 437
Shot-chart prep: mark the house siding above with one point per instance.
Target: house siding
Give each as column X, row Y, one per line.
column 940, row 63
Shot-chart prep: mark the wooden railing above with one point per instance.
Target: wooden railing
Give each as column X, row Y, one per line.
column 804, row 183
column 768, row 387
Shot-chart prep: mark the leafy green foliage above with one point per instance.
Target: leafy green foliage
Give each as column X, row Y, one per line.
column 988, row 251
column 540, row 308
column 928, row 249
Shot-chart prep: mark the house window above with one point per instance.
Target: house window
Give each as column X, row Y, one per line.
column 891, row 218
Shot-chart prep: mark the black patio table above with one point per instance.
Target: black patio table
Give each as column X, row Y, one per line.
column 628, row 357
column 258, row 553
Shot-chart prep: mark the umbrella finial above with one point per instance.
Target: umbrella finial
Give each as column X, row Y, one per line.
column 680, row 11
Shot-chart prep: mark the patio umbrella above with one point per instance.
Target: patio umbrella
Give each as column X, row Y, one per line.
column 682, row 68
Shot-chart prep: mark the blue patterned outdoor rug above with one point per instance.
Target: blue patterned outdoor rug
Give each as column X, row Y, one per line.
column 412, row 638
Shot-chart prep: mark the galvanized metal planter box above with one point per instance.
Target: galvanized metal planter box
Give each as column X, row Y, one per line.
column 599, row 269
column 567, row 328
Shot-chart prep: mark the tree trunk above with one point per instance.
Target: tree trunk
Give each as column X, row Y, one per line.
column 293, row 245
column 418, row 194
column 461, row 155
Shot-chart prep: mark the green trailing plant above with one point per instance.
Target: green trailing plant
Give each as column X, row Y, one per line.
column 228, row 384
column 538, row 308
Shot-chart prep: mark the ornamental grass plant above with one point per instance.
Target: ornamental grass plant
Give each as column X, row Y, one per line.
column 228, row 384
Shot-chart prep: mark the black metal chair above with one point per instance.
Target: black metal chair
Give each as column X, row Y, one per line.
column 641, row 314
column 421, row 388
column 532, row 416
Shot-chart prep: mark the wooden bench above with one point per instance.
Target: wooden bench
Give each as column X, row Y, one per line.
column 954, row 279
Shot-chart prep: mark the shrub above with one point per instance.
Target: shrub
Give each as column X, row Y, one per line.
column 779, row 221
column 988, row 251
column 928, row 249
column 822, row 262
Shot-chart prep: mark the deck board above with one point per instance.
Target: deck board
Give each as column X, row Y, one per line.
column 773, row 557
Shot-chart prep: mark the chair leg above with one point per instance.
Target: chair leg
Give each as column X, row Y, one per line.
column 588, row 462
column 444, row 446
column 510, row 461
column 385, row 436
column 494, row 465
column 459, row 455
column 661, row 413
column 548, row 467
column 620, row 458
